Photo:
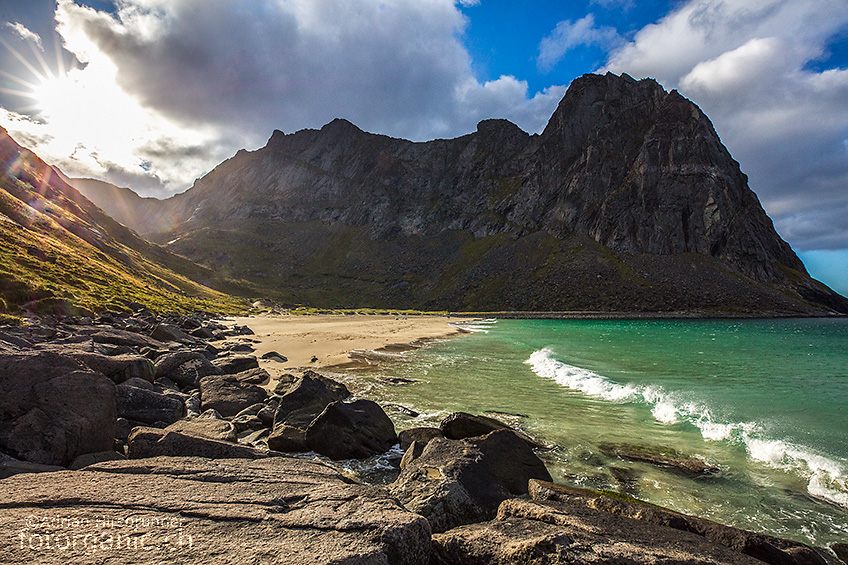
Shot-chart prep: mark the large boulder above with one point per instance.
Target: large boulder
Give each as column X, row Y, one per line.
column 232, row 364
column 228, row 395
column 52, row 410
column 167, row 332
column 153, row 442
column 199, row 511
column 354, row 430
column 147, row 406
column 185, row 368
column 306, row 398
column 255, row 376
column 288, row 439
column 460, row 425
column 455, row 482
column 119, row 368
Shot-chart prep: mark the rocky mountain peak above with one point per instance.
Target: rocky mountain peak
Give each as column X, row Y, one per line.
column 628, row 184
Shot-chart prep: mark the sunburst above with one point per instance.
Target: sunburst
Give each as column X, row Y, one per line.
column 43, row 79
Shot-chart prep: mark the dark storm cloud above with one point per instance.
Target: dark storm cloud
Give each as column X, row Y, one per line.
column 396, row 68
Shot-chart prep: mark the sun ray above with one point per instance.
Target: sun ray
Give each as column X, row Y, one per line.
column 23, row 93
column 25, row 83
column 23, row 60
column 39, row 56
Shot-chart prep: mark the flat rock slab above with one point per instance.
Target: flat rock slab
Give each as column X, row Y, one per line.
column 767, row 549
column 193, row 510
column 558, row 533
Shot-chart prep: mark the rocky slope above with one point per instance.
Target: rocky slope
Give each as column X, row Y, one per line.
column 58, row 250
column 627, row 201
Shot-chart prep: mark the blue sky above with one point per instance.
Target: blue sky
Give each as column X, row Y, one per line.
column 154, row 93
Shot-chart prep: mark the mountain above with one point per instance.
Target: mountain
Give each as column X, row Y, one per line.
column 59, row 252
column 122, row 204
column 627, row 201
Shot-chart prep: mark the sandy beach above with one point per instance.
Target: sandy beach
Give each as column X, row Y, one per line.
column 332, row 338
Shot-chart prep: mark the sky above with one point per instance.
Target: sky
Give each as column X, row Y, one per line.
column 152, row 94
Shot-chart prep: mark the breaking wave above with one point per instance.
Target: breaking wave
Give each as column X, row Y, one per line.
column 827, row 479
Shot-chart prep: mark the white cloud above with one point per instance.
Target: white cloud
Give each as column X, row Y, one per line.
column 746, row 63
column 213, row 76
column 26, row 34
column 569, row 34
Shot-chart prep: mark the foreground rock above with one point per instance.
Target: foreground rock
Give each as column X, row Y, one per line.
column 51, row 410
column 568, row 525
column 455, row 482
column 354, row 430
column 303, row 399
column 189, row 510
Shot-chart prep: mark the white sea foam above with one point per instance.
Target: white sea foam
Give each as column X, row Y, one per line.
column 827, row 479
column 481, row 326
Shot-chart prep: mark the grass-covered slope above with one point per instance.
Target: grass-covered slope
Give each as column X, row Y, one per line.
column 58, row 251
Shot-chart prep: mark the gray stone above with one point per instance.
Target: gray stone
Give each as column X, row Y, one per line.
column 185, row 368
column 147, row 406
column 354, row 430
column 455, row 482
column 255, row 376
column 167, row 332
column 234, row 364
column 421, row 435
column 153, row 442
column 119, row 368
column 267, row 413
column 306, row 398
column 287, row 438
column 205, row 427
column 228, row 395
column 246, row 422
column 197, row 511
column 274, row 356
column 531, row 532
column 121, row 337
column 768, row 549
column 461, row 425
column 257, row 438
column 51, row 410
column 659, row 456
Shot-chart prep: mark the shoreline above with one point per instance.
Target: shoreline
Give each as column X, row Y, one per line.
column 343, row 341
column 596, row 315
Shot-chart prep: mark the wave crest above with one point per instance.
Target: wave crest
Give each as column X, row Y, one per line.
column 827, row 478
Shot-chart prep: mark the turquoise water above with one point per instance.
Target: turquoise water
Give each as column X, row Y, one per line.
column 764, row 401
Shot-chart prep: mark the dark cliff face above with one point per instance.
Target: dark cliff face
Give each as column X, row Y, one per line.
column 641, row 170
column 628, row 184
